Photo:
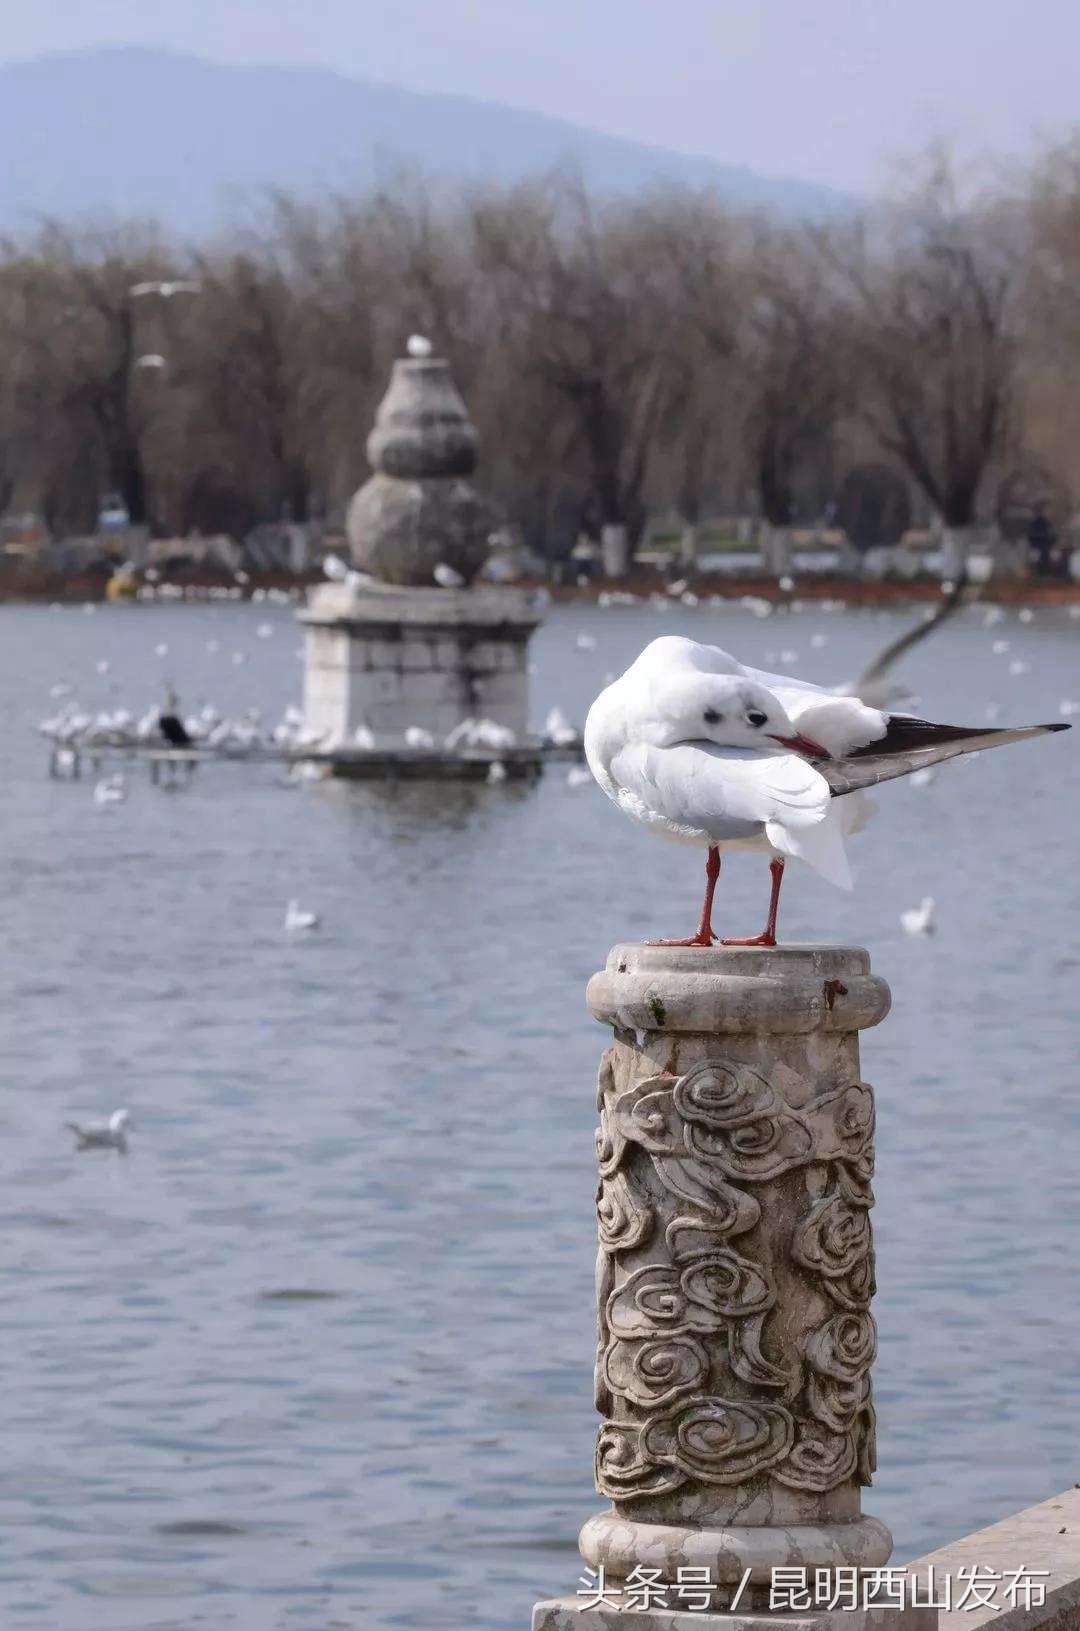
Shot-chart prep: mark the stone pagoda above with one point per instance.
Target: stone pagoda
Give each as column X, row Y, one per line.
column 409, row 639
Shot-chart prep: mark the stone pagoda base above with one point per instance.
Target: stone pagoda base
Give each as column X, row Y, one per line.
column 389, row 658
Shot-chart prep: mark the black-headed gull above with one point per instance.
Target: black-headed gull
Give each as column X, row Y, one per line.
column 702, row 750
column 102, row 1135
column 919, row 919
column 298, row 920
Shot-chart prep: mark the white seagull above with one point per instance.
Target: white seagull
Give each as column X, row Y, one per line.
column 919, row 919
column 102, row 1135
column 702, row 750
column 111, row 790
column 448, row 577
column 297, row 920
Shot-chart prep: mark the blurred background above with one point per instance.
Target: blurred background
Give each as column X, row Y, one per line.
column 768, row 323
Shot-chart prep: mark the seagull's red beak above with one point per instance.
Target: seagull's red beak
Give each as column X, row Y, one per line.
column 804, row 745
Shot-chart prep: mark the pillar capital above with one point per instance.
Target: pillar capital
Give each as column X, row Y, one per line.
column 738, row 990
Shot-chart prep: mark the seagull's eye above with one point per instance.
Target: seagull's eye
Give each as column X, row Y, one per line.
column 756, row 717
column 712, row 717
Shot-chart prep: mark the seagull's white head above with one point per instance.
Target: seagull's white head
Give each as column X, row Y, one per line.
column 118, row 1121
column 729, row 710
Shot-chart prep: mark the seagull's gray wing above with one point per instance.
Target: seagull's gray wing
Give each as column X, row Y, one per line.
column 868, row 768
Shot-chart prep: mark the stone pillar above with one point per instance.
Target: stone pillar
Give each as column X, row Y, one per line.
column 734, row 1276
column 386, row 658
column 615, row 551
column 956, row 546
column 776, row 550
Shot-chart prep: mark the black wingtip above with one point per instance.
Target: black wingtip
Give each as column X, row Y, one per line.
column 1058, row 725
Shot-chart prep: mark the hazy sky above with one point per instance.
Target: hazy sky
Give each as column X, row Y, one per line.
column 831, row 90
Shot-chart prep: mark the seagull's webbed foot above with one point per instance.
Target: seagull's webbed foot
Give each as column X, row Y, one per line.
column 693, row 940
column 762, row 939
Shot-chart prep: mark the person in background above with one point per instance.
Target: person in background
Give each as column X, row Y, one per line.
column 1042, row 543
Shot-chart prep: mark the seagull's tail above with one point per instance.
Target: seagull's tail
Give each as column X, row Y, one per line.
column 912, row 744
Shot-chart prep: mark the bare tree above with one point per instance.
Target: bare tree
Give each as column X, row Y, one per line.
column 929, row 332
column 574, row 302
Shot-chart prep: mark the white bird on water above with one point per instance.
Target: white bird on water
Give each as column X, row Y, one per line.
column 102, row 1135
column 111, row 790
column 702, row 750
column 298, row 920
column 559, row 731
column 919, row 919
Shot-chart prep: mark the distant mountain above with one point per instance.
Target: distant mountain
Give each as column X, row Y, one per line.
column 133, row 131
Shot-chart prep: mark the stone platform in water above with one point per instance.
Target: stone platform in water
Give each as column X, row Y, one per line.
column 388, row 658
column 523, row 762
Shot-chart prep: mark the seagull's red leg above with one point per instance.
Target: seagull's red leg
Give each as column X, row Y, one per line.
column 776, row 867
column 704, row 936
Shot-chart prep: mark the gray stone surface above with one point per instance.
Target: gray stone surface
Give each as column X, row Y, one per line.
column 567, row 1614
column 1046, row 1536
column 735, row 1271
column 419, row 510
column 388, row 657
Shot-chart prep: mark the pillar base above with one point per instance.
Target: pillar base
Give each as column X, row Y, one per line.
column 619, row 1545
column 567, row 1614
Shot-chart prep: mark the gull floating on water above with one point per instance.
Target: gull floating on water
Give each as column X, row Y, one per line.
column 110, row 791
column 702, row 750
column 559, row 731
column 919, row 919
column 297, row 920
column 102, row 1135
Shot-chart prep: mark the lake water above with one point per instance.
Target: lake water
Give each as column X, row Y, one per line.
column 318, row 1353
